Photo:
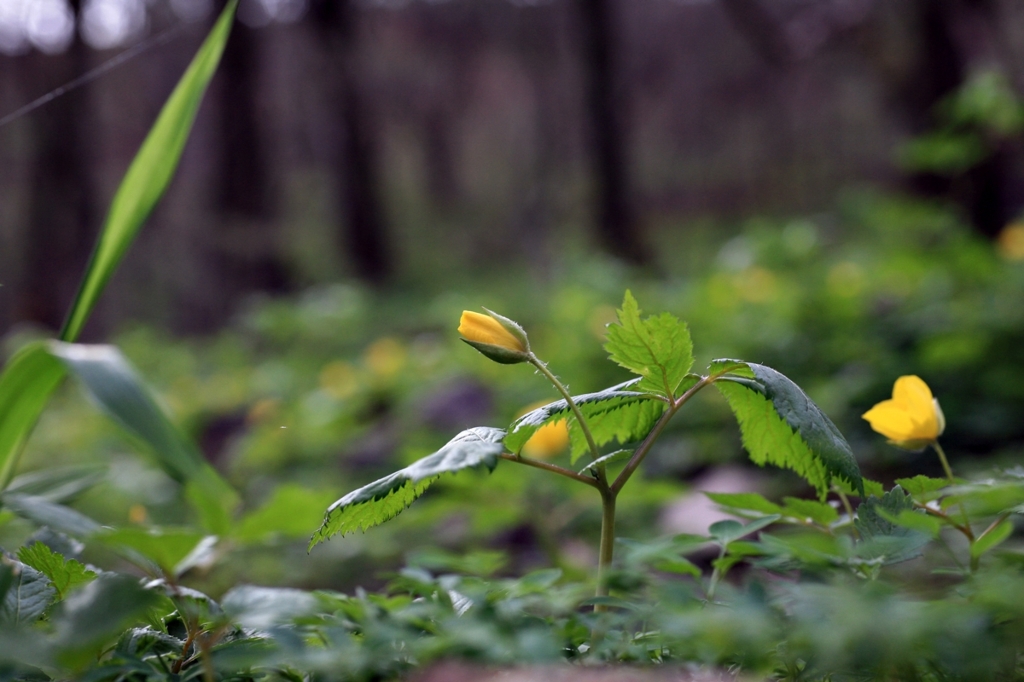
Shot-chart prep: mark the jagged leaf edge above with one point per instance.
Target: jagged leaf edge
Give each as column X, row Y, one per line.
column 385, row 498
column 525, row 426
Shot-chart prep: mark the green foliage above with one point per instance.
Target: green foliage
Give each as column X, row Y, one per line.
column 64, row 574
column 784, row 427
column 657, row 348
column 28, row 594
column 386, row 498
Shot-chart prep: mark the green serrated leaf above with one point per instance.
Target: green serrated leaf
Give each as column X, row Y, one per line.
column 722, row 366
column 385, row 498
column 883, row 539
column 922, row 488
column 610, row 458
column 745, row 502
column 818, row 512
column 780, row 425
column 627, row 422
column 64, row 574
column 728, row 531
column 658, row 348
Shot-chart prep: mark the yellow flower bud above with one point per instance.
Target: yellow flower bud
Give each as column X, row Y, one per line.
column 912, row 419
column 497, row 337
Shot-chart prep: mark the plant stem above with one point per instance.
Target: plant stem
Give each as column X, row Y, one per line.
column 645, row 446
column 945, row 462
column 848, row 507
column 553, row 468
column 716, row 576
column 607, row 550
column 594, row 452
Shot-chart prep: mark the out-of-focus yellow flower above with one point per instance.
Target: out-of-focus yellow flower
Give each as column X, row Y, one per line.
column 1011, row 241
column 385, row 357
column 912, row 419
column 549, row 440
column 497, row 337
column 137, row 514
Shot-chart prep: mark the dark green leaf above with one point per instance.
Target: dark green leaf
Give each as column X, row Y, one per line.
column 658, row 348
column 27, row 597
column 289, row 513
column 782, row 426
column 64, row 574
column 724, row 532
column 149, row 174
column 94, row 615
column 387, row 497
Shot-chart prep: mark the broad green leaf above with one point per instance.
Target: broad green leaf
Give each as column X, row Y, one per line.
column 883, row 539
column 983, row 498
column 589, row 404
column 780, row 425
column 42, row 512
column 264, row 607
column 27, row 381
column 993, row 537
column 149, row 173
column 745, row 502
column 64, row 574
column 118, row 391
column 27, row 597
column 385, row 498
column 92, row 618
column 658, row 348
column 165, row 547
column 923, row 488
column 818, row 512
column 289, row 513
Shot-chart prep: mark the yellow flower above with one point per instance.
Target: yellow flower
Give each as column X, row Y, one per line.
column 547, row 441
column 912, row 419
column 497, row 337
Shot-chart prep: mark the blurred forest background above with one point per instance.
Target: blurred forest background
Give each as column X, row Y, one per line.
column 397, row 142
column 831, row 187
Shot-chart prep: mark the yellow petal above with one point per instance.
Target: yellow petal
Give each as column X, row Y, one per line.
column 485, row 329
column 890, row 420
column 914, row 396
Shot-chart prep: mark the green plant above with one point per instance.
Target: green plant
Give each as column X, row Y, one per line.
column 780, row 424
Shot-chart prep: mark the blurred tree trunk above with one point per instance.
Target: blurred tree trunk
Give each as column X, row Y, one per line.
column 355, row 156
column 62, row 219
column 942, row 64
column 248, row 253
column 616, row 219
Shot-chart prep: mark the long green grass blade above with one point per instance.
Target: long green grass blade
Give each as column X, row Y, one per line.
column 25, row 385
column 149, row 174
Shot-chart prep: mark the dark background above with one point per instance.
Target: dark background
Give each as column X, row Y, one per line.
column 399, row 142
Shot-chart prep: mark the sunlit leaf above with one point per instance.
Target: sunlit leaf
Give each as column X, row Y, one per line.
column 64, row 574
column 387, row 497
